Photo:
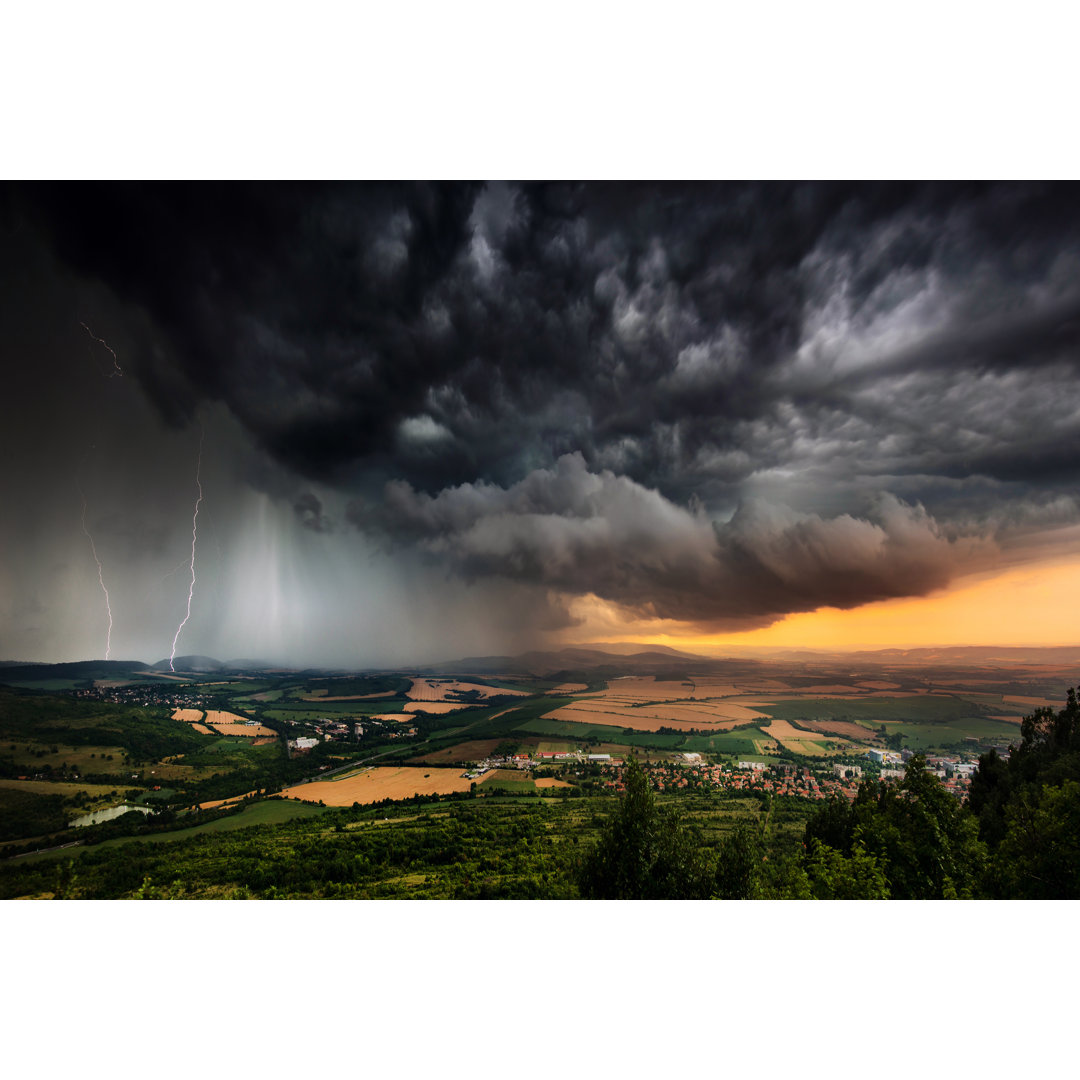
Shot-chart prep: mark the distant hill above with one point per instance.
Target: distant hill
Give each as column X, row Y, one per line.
column 634, row 648
column 190, row 663
column 648, row 661
column 78, row 670
column 951, row 655
column 981, row 654
column 604, row 659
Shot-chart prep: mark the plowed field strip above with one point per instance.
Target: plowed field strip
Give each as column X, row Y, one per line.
column 380, row 783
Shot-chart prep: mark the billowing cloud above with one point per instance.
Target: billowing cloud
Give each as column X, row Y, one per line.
column 689, row 335
column 578, row 532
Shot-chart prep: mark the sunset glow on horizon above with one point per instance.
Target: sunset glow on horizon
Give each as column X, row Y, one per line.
column 1033, row 605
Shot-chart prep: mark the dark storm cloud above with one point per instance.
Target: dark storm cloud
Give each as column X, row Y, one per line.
column 580, row 532
column 787, row 354
column 558, row 317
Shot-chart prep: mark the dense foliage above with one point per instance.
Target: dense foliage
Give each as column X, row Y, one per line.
column 909, row 841
column 1028, row 809
column 499, row 850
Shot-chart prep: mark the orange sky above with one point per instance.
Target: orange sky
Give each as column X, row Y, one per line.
column 1036, row 604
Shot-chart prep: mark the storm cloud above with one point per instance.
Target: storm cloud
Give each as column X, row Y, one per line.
column 578, row 532
column 715, row 404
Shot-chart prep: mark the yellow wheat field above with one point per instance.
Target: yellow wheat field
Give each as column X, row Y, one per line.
column 846, row 728
column 437, row 689
column 800, row 742
column 227, row 723
column 189, row 716
column 384, row 782
column 225, row 802
column 434, row 706
column 653, row 719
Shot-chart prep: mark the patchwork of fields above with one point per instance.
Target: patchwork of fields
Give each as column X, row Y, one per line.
column 203, row 740
column 224, row 723
column 820, row 718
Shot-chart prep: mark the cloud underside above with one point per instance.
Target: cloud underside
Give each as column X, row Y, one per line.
column 577, row 532
column 691, row 337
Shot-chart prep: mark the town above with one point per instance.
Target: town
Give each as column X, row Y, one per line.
column 690, row 772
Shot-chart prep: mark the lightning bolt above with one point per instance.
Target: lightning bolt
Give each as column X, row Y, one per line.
column 194, row 537
column 117, row 369
column 100, row 577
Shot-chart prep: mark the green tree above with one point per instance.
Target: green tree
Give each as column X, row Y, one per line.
column 832, row 824
column 916, row 834
column 738, row 865
column 991, row 788
column 923, row 838
column 645, row 852
column 836, row 877
column 1039, row 856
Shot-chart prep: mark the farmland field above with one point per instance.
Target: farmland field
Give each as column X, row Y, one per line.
column 793, row 739
column 473, row 750
column 506, row 780
column 227, row 723
column 31, row 757
column 374, row 784
column 719, row 716
column 97, row 792
column 431, row 689
column 740, row 742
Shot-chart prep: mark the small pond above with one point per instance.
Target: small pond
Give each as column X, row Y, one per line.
column 98, row 816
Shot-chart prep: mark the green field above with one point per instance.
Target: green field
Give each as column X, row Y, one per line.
column 950, row 733
column 740, row 741
column 508, row 785
column 32, row 757
column 339, row 686
column 265, row 812
column 332, row 710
